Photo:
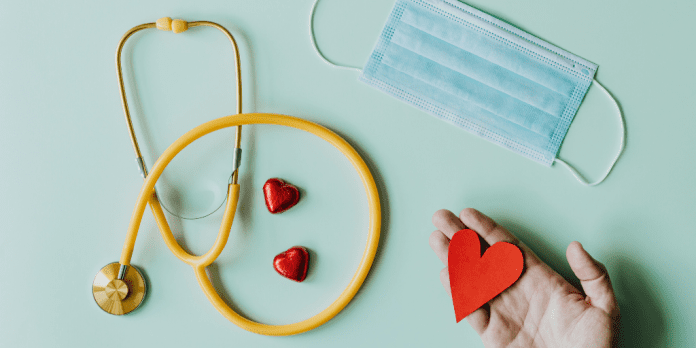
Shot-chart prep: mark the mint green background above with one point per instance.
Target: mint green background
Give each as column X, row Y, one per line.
column 68, row 181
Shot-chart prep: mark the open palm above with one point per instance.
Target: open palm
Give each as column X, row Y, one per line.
column 541, row 309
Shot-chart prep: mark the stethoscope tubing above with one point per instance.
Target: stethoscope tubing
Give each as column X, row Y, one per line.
column 199, row 263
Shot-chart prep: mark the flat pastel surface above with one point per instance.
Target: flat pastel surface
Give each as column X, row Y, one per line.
column 68, row 180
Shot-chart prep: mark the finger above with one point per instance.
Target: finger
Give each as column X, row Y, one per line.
column 593, row 278
column 447, row 222
column 478, row 319
column 439, row 243
column 488, row 229
column 444, row 279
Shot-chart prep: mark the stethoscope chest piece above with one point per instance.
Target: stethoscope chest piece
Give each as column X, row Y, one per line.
column 118, row 294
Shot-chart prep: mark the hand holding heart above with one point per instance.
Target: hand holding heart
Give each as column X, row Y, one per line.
column 541, row 309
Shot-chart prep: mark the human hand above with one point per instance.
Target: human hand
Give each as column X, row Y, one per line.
column 541, row 309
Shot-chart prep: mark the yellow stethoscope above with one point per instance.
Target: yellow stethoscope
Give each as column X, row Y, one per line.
column 119, row 287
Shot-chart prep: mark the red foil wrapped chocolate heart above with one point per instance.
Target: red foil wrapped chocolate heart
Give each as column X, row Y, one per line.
column 280, row 196
column 293, row 263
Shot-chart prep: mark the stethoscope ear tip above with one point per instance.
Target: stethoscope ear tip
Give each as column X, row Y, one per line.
column 119, row 289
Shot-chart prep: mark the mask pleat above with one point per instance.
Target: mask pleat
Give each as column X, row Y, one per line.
column 479, row 69
column 489, row 49
column 470, row 90
column 485, row 120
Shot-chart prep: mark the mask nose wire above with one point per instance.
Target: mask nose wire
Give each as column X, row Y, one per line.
column 574, row 171
column 316, row 48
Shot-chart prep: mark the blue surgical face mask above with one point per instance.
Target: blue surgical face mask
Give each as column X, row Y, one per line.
column 481, row 74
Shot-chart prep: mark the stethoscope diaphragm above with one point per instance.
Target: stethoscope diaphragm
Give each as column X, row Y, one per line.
column 118, row 296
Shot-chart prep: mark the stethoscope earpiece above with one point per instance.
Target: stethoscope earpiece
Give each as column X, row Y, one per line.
column 118, row 289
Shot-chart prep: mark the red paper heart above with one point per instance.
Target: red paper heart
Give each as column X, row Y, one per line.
column 293, row 263
column 280, row 196
column 476, row 279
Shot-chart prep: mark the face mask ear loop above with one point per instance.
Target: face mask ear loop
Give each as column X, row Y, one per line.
column 575, row 173
column 316, row 48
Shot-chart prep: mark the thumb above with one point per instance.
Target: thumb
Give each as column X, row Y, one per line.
column 593, row 278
